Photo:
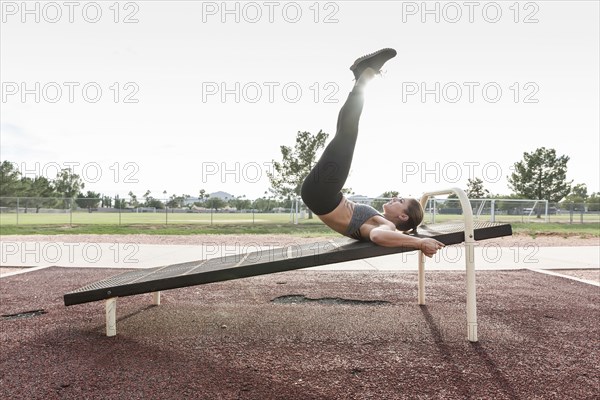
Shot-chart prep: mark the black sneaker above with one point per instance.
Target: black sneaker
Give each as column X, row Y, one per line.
column 373, row 60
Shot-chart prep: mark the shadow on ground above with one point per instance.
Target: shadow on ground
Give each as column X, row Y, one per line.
column 303, row 335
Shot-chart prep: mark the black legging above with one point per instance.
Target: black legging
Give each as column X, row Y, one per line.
column 321, row 190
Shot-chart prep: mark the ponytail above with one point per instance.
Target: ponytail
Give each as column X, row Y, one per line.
column 415, row 217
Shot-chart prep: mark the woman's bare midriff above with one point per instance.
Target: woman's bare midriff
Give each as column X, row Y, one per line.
column 340, row 217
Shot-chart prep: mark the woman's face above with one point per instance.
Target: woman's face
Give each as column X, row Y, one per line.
column 396, row 208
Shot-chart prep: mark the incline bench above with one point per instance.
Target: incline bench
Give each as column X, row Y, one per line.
column 153, row 280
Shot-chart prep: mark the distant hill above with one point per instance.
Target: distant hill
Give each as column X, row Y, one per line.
column 222, row 195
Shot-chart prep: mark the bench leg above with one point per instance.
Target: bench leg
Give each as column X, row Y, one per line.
column 156, row 298
column 421, row 290
column 471, row 292
column 111, row 317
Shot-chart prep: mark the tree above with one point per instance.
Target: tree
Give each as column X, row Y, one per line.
column 147, row 196
column 578, row 195
column 107, row 201
column 593, row 202
column 177, row 201
column 10, row 180
column 189, row 204
column 38, row 191
column 133, row 201
column 119, row 203
column 240, row 203
column 68, row 185
column 541, row 175
column 475, row 189
column 202, row 195
column 41, row 187
column 90, row 200
column 214, row 203
column 288, row 175
column 150, row 201
column 173, row 201
column 156, row 203
column 580, row 190
column 264, row 204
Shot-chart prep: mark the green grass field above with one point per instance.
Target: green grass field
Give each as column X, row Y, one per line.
column 161, row 218
column 85, row 218
column 245, row 223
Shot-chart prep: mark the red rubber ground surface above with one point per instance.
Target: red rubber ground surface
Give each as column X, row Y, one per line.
column 538, row 339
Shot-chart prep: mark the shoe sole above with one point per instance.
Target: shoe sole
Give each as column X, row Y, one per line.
column 372, row 55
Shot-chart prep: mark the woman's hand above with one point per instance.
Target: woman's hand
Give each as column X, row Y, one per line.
column 430, row 246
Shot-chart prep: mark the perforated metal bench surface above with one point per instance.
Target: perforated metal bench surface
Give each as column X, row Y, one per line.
column 265, row 262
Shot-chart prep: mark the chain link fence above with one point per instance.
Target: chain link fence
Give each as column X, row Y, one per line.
column 61, row 211
column 503, row 210
column 516, row 210
column 48, row 211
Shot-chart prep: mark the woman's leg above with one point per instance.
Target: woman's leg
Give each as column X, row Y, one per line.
column 321, row 190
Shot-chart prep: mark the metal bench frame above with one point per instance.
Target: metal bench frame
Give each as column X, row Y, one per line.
column 154, row 280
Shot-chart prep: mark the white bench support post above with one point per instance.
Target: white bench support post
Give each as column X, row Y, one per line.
column 111, row 316
column 471, row 293
column 469, row 261
column 156, row 298
column 421, row 292
column 111, row 313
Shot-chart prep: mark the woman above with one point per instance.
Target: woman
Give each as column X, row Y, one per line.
column 321, row 190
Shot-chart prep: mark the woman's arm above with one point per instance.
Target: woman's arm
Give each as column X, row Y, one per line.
column 384, row 236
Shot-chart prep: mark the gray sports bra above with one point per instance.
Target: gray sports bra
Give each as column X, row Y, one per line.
column 361, row 214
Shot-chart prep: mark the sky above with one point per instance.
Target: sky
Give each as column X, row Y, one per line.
column 179, row 96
